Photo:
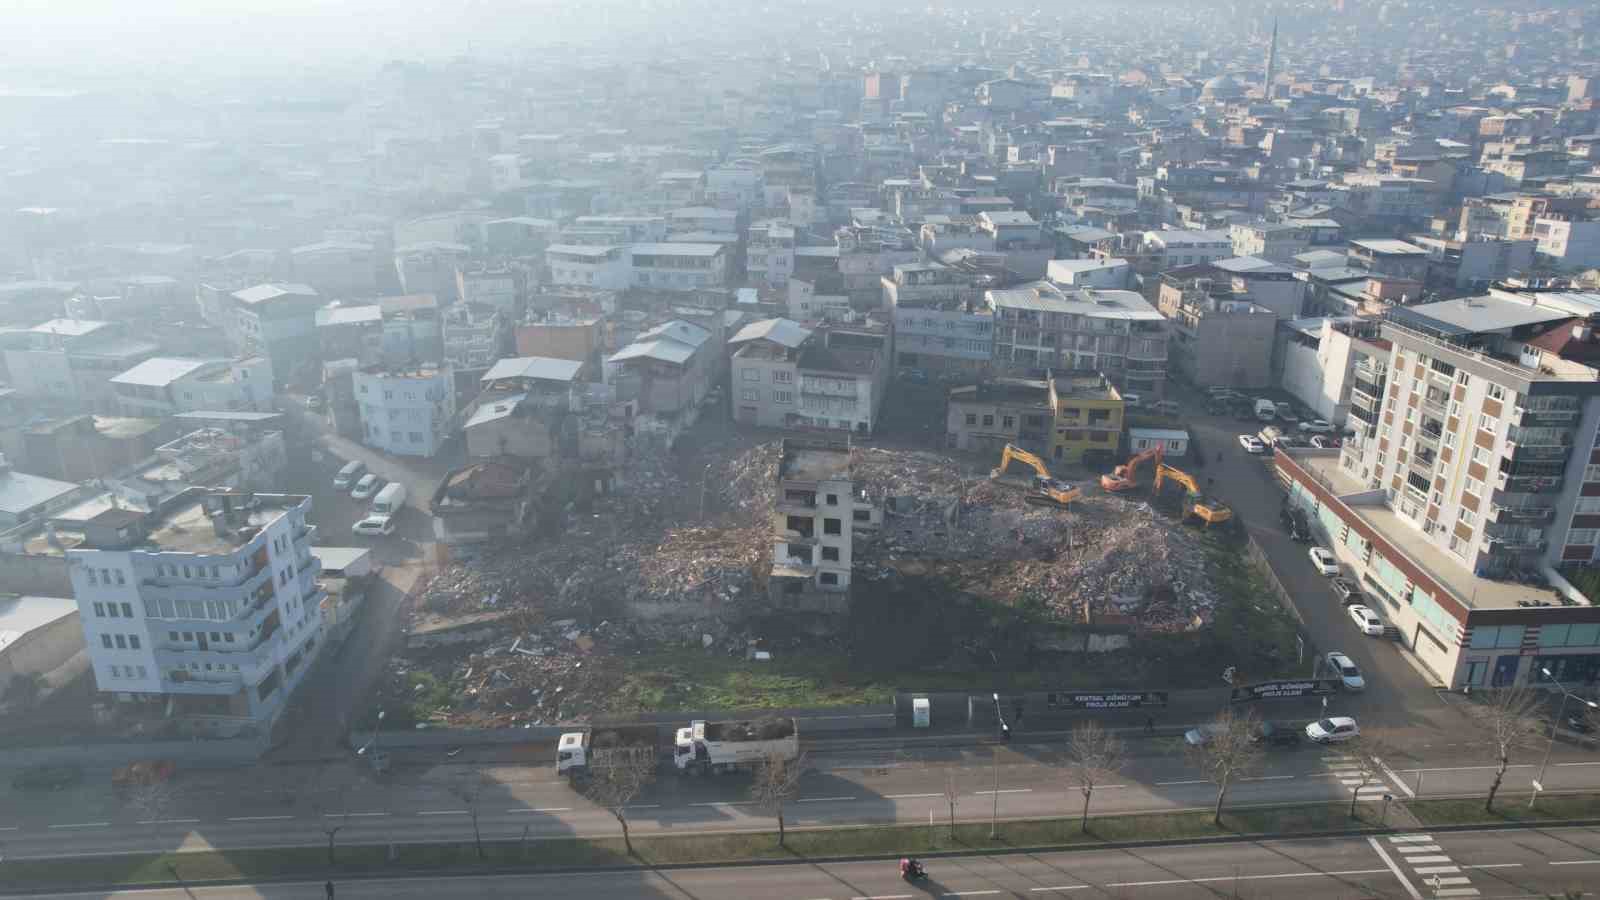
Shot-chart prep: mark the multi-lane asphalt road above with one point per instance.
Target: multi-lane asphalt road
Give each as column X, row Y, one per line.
column 842, row 787
column 1410, row 866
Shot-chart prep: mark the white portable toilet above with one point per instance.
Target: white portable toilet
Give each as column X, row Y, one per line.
column 921, row 712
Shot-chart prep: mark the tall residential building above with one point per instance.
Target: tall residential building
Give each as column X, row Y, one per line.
column 205, row 611
column 1474, row 467
column 1041, row 326
column 817, row 511
column 407, row 410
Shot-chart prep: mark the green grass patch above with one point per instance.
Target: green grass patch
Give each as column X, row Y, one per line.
column 462, row 856
column 1507, row 808
column 695, row 679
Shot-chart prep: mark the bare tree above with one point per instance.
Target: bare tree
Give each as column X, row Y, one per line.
column 614, row 785
column 470, row 791
column 1094, row 755
column 335, row 818
column 952, row 796
column 1507, row 722
column 151, row 801
column 1366, row 762
column 777, row 782
column 1229, row 752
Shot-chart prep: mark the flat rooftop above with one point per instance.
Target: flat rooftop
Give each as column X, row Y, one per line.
column 1470, row 590
column 804, row 461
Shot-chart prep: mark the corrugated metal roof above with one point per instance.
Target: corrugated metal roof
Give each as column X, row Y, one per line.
column 498, row 409
column 159, row 371
column 664, row 349
column 543, row 368
column 20, row 491
column 785, row 332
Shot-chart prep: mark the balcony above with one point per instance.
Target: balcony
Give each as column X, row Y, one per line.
column 1369, row 416
column 1426, row 435
column 1527, row 484
column 1436, row 400
column 1514, row 544
column 1522, row 515
column 1525, row 416
column 1372, row 389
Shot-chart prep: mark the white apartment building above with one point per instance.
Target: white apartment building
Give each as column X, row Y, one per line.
column 405, row 411
column 164, row 385
column 278, row 321
column 817, row 511
column 1569, row 245
column 1277, row 242
column 603, row 267
column 1174, row 248
column 1473, row 468
column 210, row 606
column 769, row 252
column 786, row 376
column 678, row 266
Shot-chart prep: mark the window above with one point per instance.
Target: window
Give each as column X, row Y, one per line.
column 116, row 671
column 830, row 554
column 750, row 394
column 1450, row 439
column 750, row 374
column 1582, row 535
column 1486, row 423
column 832, row 526
column 783, row 396
column 861, row 515
column 988, row 421
column 142, row 673
column 1462, row 378
column 829, row 578
column 1473, row 486
column 99, row 608
column 122, row 642
column 105, row 576
column 833, row 499
column 1008, row 422
column 1591, row 473
column 105, row 641
column 133, row 642
column 1495, row 392
column 782, row 376
column 227, row 636
column 118, row 573
column 1481, row 455
column 111, row 610
column 188, row 636
column 216, row 637
column 972, row 419
column 1467, row 516
column 416, row 437
column 1490, row 637
column 91, row 576
column 172, row 636
column 1587, row 506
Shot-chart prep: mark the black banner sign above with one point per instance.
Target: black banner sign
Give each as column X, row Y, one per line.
column 1106, row 700
column 1273, row 690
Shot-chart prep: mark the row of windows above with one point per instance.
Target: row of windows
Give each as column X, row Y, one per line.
column 106, row 576
column 113, row 610
column 217, row 637
column 128, row 672
column 168, row 608
column 120, row 641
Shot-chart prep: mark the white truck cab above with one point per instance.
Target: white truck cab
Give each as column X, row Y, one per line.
column 571, row 754
column 683, row 748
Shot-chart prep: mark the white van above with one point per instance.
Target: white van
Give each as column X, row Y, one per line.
column 1266, row 410
column 389, row 500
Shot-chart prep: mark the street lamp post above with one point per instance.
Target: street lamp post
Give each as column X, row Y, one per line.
column 1561, row 710
column 1005, row 734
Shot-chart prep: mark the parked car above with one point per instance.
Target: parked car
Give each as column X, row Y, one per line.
column 1366, row 620
column 349, row 475
column 1346, row 591
column 1333, row 730
column 369, row 484
column 1131, row 401
column 1324, row 560
column 1274, row 734
column 1324, row 442
column 374, row 526
column 1200, row 736
column 1349, row 676
column 1316, row 426
column 1252, row 444
column 1286, row 414
column 1299, row 525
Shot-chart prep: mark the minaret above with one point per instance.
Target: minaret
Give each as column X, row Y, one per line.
column 1272, row 60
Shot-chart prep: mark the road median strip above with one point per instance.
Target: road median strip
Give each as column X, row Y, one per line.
column 810, row 844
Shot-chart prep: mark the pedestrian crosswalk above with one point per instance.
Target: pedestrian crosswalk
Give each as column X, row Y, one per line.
column 1422, row 858
column 1356, row 776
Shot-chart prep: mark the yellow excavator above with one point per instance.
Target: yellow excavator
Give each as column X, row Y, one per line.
column 1126, row 476
column 1043, row 489
column 1207, row 509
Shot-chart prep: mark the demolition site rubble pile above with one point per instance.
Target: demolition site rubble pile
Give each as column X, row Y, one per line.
column 1108, row 559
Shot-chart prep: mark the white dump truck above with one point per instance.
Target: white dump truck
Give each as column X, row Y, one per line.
column 580, row 751
column 725, row 746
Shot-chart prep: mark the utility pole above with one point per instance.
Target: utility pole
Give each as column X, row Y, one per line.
column 1005, row 734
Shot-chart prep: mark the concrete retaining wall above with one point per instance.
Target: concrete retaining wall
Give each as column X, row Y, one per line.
column 201, row 754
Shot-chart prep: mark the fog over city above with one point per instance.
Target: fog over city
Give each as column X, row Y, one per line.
column 436, row 438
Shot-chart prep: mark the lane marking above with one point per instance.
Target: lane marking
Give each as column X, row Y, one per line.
column 1427, row 859
column 1438, row 870
column 1411, row 889
column 11, row 828
column 442, row 812
column 1195, row 781
column 970, row 893
column 884, row 897
column 723, row 803
column 524, row 809
column 644, row 806
column 1395, row 777
column 1574, row 862
column 1270, row 778
column 352, row 815
column 1476, row 768
column 1441, row 882
column 1456, row 892
column 1495, row 866
column 1009, row 791
column 1060, row 887
column 1420, row 848
column 1121, row 884
column 166, row 821
column 84, row 825
column 1579, row 764
column 825, row 800
column 908, row 796
column 257, row 818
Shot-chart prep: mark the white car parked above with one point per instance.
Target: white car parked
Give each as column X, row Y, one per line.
column 1324, row 560
column 374, row 526
column 1366, row 620
column 1348, row 674
column 1316, row 426
column 1334, row 730
column 1252, row 444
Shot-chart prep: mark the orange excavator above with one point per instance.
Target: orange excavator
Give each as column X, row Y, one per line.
column 1126, row 476
column 1042, row 489
column 1207, row 509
